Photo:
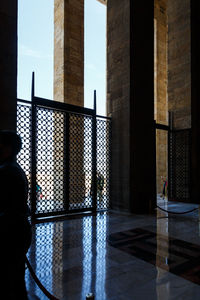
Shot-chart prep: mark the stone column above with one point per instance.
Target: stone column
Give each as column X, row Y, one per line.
column 130, row 88
column 8, row 64
column 160, row 89
column 69, row 51
column 69, row 88
column 195, row 103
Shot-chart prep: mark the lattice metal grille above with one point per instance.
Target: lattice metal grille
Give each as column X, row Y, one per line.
column 50, row 160
column 103, row 163
column 80, row 161
column 24, row 130
column 64, row 158
column 179, row 165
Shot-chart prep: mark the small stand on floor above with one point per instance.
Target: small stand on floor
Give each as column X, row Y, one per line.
column 90, row 296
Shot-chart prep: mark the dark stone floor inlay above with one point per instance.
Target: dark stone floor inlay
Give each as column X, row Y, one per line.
column 176, row 256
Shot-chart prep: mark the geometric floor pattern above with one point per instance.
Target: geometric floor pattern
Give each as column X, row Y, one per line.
column 183, row 258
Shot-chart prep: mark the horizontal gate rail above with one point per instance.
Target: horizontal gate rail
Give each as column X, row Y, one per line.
column 162, row 126
column 62, row 106
column 22, row 101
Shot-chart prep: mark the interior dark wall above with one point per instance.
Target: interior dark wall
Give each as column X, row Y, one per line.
column 8, row 64
column 195, row 99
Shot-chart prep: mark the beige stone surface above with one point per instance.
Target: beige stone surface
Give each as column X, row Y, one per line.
column 160, row 89
column 69, row 51
column 179, row 62
column 103, row 1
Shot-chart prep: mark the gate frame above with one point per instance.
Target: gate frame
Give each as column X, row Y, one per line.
column 68, row 108
column 169, row 128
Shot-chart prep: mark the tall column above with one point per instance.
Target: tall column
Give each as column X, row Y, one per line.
column 195, row 96
column 8, row 64
column 69, row 88
column 69, row 51
column 160, row 89
column 130, row 87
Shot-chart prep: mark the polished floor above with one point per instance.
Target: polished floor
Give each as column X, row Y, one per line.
column 119, row 256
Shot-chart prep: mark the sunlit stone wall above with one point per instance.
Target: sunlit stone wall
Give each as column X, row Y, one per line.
column 69, row 51
column 160, row 88
column 179, row 62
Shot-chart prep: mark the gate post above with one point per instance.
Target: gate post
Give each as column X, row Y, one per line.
column 94, row 157
column 33, row 150
column 170, row 122
column 66, row 163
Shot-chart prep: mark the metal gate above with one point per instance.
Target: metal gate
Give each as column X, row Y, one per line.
column 179, row 163
column 66, row 157
column 179, row 168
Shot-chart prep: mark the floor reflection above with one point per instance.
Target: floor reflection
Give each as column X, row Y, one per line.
column 87, row 255
column 45, row 256
column 174, row 255
column 94, row 258
column 162, row 256
column 118, row 257
column 101, row 230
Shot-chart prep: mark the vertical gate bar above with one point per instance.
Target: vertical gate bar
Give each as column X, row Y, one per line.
column 110, row 162
column 174, row 161
column 170, row 150
column 190, row 164
column 94, row 157
column 155, row 163
column 169, row 165
column 33, row 150
column 66, row 163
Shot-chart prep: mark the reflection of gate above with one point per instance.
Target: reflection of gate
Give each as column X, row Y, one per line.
column 64, row 147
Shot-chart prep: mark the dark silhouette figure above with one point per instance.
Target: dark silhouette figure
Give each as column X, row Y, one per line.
column 15, row 230
column 100, row 186
column 164, row 191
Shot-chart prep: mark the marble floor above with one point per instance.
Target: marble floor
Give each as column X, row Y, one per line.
column 119, row 256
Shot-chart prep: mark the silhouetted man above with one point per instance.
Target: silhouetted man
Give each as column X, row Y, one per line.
column 15, row 230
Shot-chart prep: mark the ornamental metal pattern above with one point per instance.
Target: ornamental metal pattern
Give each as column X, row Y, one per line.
column 64, row 159
column 50, row 167
column 80, row 161
column 103, row 162
column 179, row 165
column 24, row 130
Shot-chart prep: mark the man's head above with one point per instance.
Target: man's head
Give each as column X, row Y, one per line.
column 10, row 145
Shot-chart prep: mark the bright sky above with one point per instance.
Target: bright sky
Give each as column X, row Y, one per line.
column 35, row 50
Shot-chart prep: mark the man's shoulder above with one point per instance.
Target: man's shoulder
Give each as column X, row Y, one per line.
column 11, row 169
